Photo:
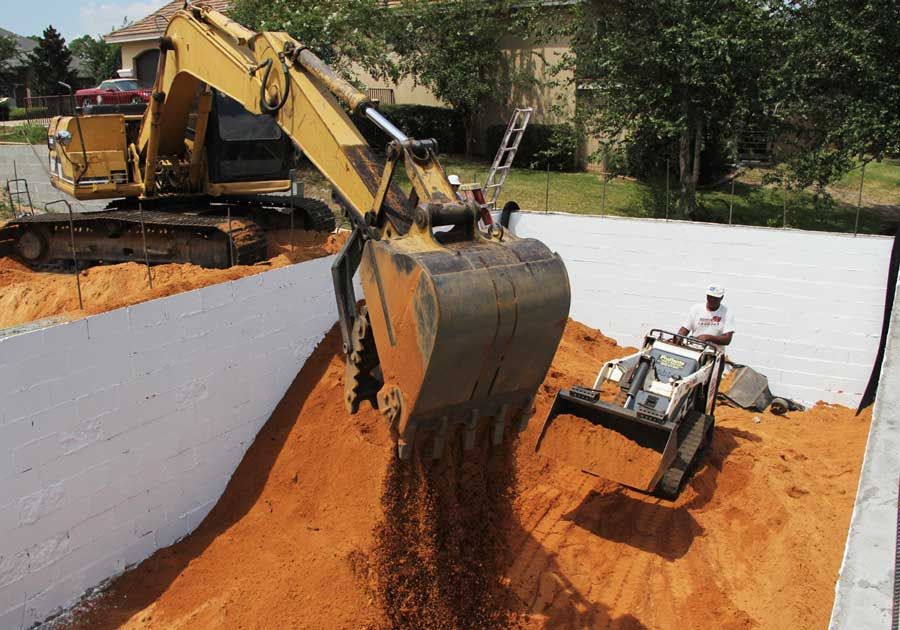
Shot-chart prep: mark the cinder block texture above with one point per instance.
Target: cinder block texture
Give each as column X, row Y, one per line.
column 808, row 305
column 119, row 432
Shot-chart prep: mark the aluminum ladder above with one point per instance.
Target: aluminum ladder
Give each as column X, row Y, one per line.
column 505, row 155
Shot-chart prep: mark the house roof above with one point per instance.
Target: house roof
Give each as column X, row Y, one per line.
column 152, row 26
column 25, row 45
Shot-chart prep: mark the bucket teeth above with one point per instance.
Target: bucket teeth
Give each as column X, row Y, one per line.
column 525, row 415
column 499, row 422
column 471, row 425
column 440, row 436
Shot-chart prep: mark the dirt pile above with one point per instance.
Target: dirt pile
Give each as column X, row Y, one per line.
column 318, row 528
column 600, row 450
column 27, row 296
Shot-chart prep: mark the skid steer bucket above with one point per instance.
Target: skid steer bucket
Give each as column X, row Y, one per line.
column 465, row 333
column 607, row 440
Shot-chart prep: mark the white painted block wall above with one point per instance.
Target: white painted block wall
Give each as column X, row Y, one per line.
column 808, row 305
column 119, row 432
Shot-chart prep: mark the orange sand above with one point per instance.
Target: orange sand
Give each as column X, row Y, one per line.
column 599, row 450
column 27, row 296
column 301, row 538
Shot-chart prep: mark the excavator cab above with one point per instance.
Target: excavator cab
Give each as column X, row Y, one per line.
column 245, row 147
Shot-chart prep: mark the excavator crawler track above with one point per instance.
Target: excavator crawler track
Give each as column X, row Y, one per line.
column 315, row 214
column 693, row 435
column 113, row 236
column 206, row 238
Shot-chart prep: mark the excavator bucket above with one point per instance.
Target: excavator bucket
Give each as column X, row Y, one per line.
column 465, row 333
column 607, row 440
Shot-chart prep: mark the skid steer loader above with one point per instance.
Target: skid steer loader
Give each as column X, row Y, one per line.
column 652, row 433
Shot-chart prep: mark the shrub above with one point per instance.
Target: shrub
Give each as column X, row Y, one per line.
column 540, row 143
column 19, row 113
column 421, row 122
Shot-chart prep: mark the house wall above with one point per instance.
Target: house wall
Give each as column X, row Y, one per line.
column 808, row 305
column 119, row 432
column 130, row 50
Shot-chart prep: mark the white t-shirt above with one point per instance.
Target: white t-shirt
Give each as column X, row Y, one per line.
column 703, row 322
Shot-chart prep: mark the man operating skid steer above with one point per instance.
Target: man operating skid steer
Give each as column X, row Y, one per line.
column 711, row 322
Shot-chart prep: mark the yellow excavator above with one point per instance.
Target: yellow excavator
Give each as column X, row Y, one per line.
column 459, row 326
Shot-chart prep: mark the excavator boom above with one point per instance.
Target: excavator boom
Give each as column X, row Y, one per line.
column 459, row 326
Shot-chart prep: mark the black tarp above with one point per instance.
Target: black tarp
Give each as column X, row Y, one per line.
column 868, row 396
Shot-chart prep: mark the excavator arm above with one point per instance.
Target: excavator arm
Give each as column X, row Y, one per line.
column 459, row 326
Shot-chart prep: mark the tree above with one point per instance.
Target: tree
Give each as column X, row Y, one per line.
column 343, row 33
column 10, row 60
column 50, row 62
column 842, row 95
column 679, row 69
column 99, row 59
column 454, row 49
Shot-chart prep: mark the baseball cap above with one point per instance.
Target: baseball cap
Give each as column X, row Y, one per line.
column 715, row 290
column 453, row 179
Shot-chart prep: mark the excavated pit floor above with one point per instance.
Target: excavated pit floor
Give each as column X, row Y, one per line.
column 319, row 528
column 27, row 295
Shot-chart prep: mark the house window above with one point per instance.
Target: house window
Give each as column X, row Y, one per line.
column 384, row 96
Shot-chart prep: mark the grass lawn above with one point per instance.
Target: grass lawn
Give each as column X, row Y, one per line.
column 753, row 204
column 27, row 132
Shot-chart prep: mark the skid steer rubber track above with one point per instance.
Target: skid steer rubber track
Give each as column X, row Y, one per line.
column 692, row 437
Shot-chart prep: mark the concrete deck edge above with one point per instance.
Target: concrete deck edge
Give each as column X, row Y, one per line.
column 864, row 590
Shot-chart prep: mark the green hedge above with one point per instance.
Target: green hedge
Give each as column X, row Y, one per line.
column 540, row 143
column 421, row 122
column 19, row 113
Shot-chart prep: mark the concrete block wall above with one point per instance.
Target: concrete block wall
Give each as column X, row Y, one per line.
column 119, row 432
column 808, row 305
column 30, row 162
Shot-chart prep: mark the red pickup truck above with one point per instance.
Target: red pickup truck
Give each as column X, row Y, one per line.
column 113, row 92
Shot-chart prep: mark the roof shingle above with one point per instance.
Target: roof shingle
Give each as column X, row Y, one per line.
column 153, row 26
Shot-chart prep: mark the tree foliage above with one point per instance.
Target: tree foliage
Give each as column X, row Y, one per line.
column 675, row 69
column 841, row 86
column 454, row 49
column 10, row 60
column 99, row 59
column 50, row 62
column 341, row 32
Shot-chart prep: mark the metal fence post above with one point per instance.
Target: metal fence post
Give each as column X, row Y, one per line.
column 603, row 203
column 668, row 194
column 230, row 240
column 784, row 217
column 74, row 252
column 144, row 238
column 547, row 192
column 862, row 178
column 731, row 201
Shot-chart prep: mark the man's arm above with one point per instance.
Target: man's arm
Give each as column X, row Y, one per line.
column 722, row 340
column 683, row 331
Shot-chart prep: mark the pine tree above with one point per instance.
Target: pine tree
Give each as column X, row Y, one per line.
column 50, row 63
